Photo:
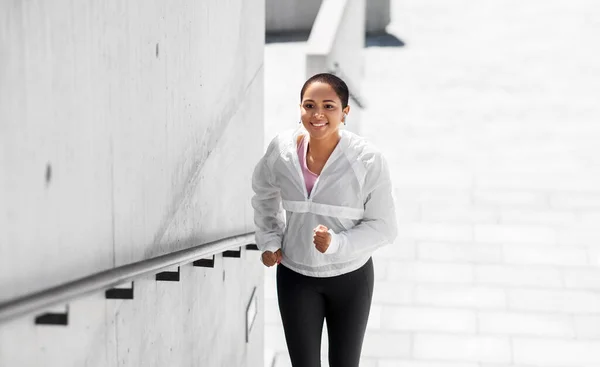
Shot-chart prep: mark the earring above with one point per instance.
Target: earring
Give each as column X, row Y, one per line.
column 344, row 120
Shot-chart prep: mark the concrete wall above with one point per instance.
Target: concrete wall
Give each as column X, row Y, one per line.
column 299, row 15
column 128, row 130
column 378, row 15
column 199, row 321
column 291, row 15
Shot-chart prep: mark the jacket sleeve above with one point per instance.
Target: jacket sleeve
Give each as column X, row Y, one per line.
column 378, row 225
column 269, row 217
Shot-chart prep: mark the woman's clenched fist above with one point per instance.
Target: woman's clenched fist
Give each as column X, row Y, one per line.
column 321, row 238
column 270, row 258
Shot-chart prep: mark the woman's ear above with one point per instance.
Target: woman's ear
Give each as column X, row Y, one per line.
column 345, row 110
column 345, row 115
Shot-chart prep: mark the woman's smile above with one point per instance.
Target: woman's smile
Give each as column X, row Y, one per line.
column 319, row 125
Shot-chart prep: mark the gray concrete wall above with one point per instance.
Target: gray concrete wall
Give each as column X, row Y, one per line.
column 299, row 15
column 127, row 129
column 291, row 15
column 378, row 15
column 199, row 321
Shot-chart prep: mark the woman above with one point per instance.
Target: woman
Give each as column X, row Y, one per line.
column 336, row 191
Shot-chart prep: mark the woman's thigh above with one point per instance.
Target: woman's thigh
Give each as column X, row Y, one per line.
column 348, row 303
column 302, row 310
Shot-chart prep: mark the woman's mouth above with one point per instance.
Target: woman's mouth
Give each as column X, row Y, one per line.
column 319, row 124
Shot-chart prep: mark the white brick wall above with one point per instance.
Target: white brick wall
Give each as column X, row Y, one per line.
column 514, row 234
column 380, row 268
column 534, row 181
column 386, row 344
column 428, row 272
column 541, row 217
column 429, row 319
column 589, row 217
column 585, row 234
column 408, row 212
column 514, row 275
column 510, row 198
column 459, row 252
column 452, row 213
column 462, row 348
column 425, row 196
column 375, row 317
column 554, row 300
column 393, row 293
column 433, row 177
column 545, row 255
column 416, row 363
column 585, row 278
column 460, row 296
column 436, row 232
column 594, row 256
column 403, row 249
column 365, row 362
column 587, row 326
column 548, row 352
column 534, row 324
column 575, row 200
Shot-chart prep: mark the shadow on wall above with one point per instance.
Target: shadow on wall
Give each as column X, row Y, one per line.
column 380, row 39
column 383, row 39
column 284, row 37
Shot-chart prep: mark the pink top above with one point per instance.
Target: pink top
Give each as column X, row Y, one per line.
column 309, row 177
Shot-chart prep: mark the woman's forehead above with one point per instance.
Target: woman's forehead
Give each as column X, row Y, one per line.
column 318, row 91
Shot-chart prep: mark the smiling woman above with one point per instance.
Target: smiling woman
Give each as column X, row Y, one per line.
column 336, row 191
column 324, row 94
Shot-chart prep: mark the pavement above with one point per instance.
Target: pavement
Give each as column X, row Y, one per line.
column 489, row 116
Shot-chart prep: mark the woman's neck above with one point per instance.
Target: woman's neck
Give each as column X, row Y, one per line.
column 321, row 149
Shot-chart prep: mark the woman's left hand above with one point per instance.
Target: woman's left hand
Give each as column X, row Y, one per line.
column 321, row 238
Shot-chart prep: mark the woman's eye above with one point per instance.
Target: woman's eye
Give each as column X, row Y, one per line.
column 329, row 107
column 308, row 105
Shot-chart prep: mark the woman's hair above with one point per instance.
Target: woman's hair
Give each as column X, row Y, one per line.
column 338, row 85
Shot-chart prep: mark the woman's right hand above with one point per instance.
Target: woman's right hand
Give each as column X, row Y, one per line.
column 270, row 258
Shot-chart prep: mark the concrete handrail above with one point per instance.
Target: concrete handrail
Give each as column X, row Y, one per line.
column 44, row 299
column 336, row 42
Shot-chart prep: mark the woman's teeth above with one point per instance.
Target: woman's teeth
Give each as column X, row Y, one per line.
column 319, row 125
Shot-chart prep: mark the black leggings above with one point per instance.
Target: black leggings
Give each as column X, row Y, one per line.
column 305, row 302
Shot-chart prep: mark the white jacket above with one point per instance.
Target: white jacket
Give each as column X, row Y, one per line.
column 352, row 197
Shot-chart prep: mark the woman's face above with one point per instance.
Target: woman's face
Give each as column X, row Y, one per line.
column 322, row 111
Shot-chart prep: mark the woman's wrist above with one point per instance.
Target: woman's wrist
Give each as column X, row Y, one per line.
column 334, row 245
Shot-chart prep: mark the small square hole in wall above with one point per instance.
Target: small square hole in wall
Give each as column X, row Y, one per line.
column 58, row 315
column 122, row 291
column 171, row 275
column 206, row 263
